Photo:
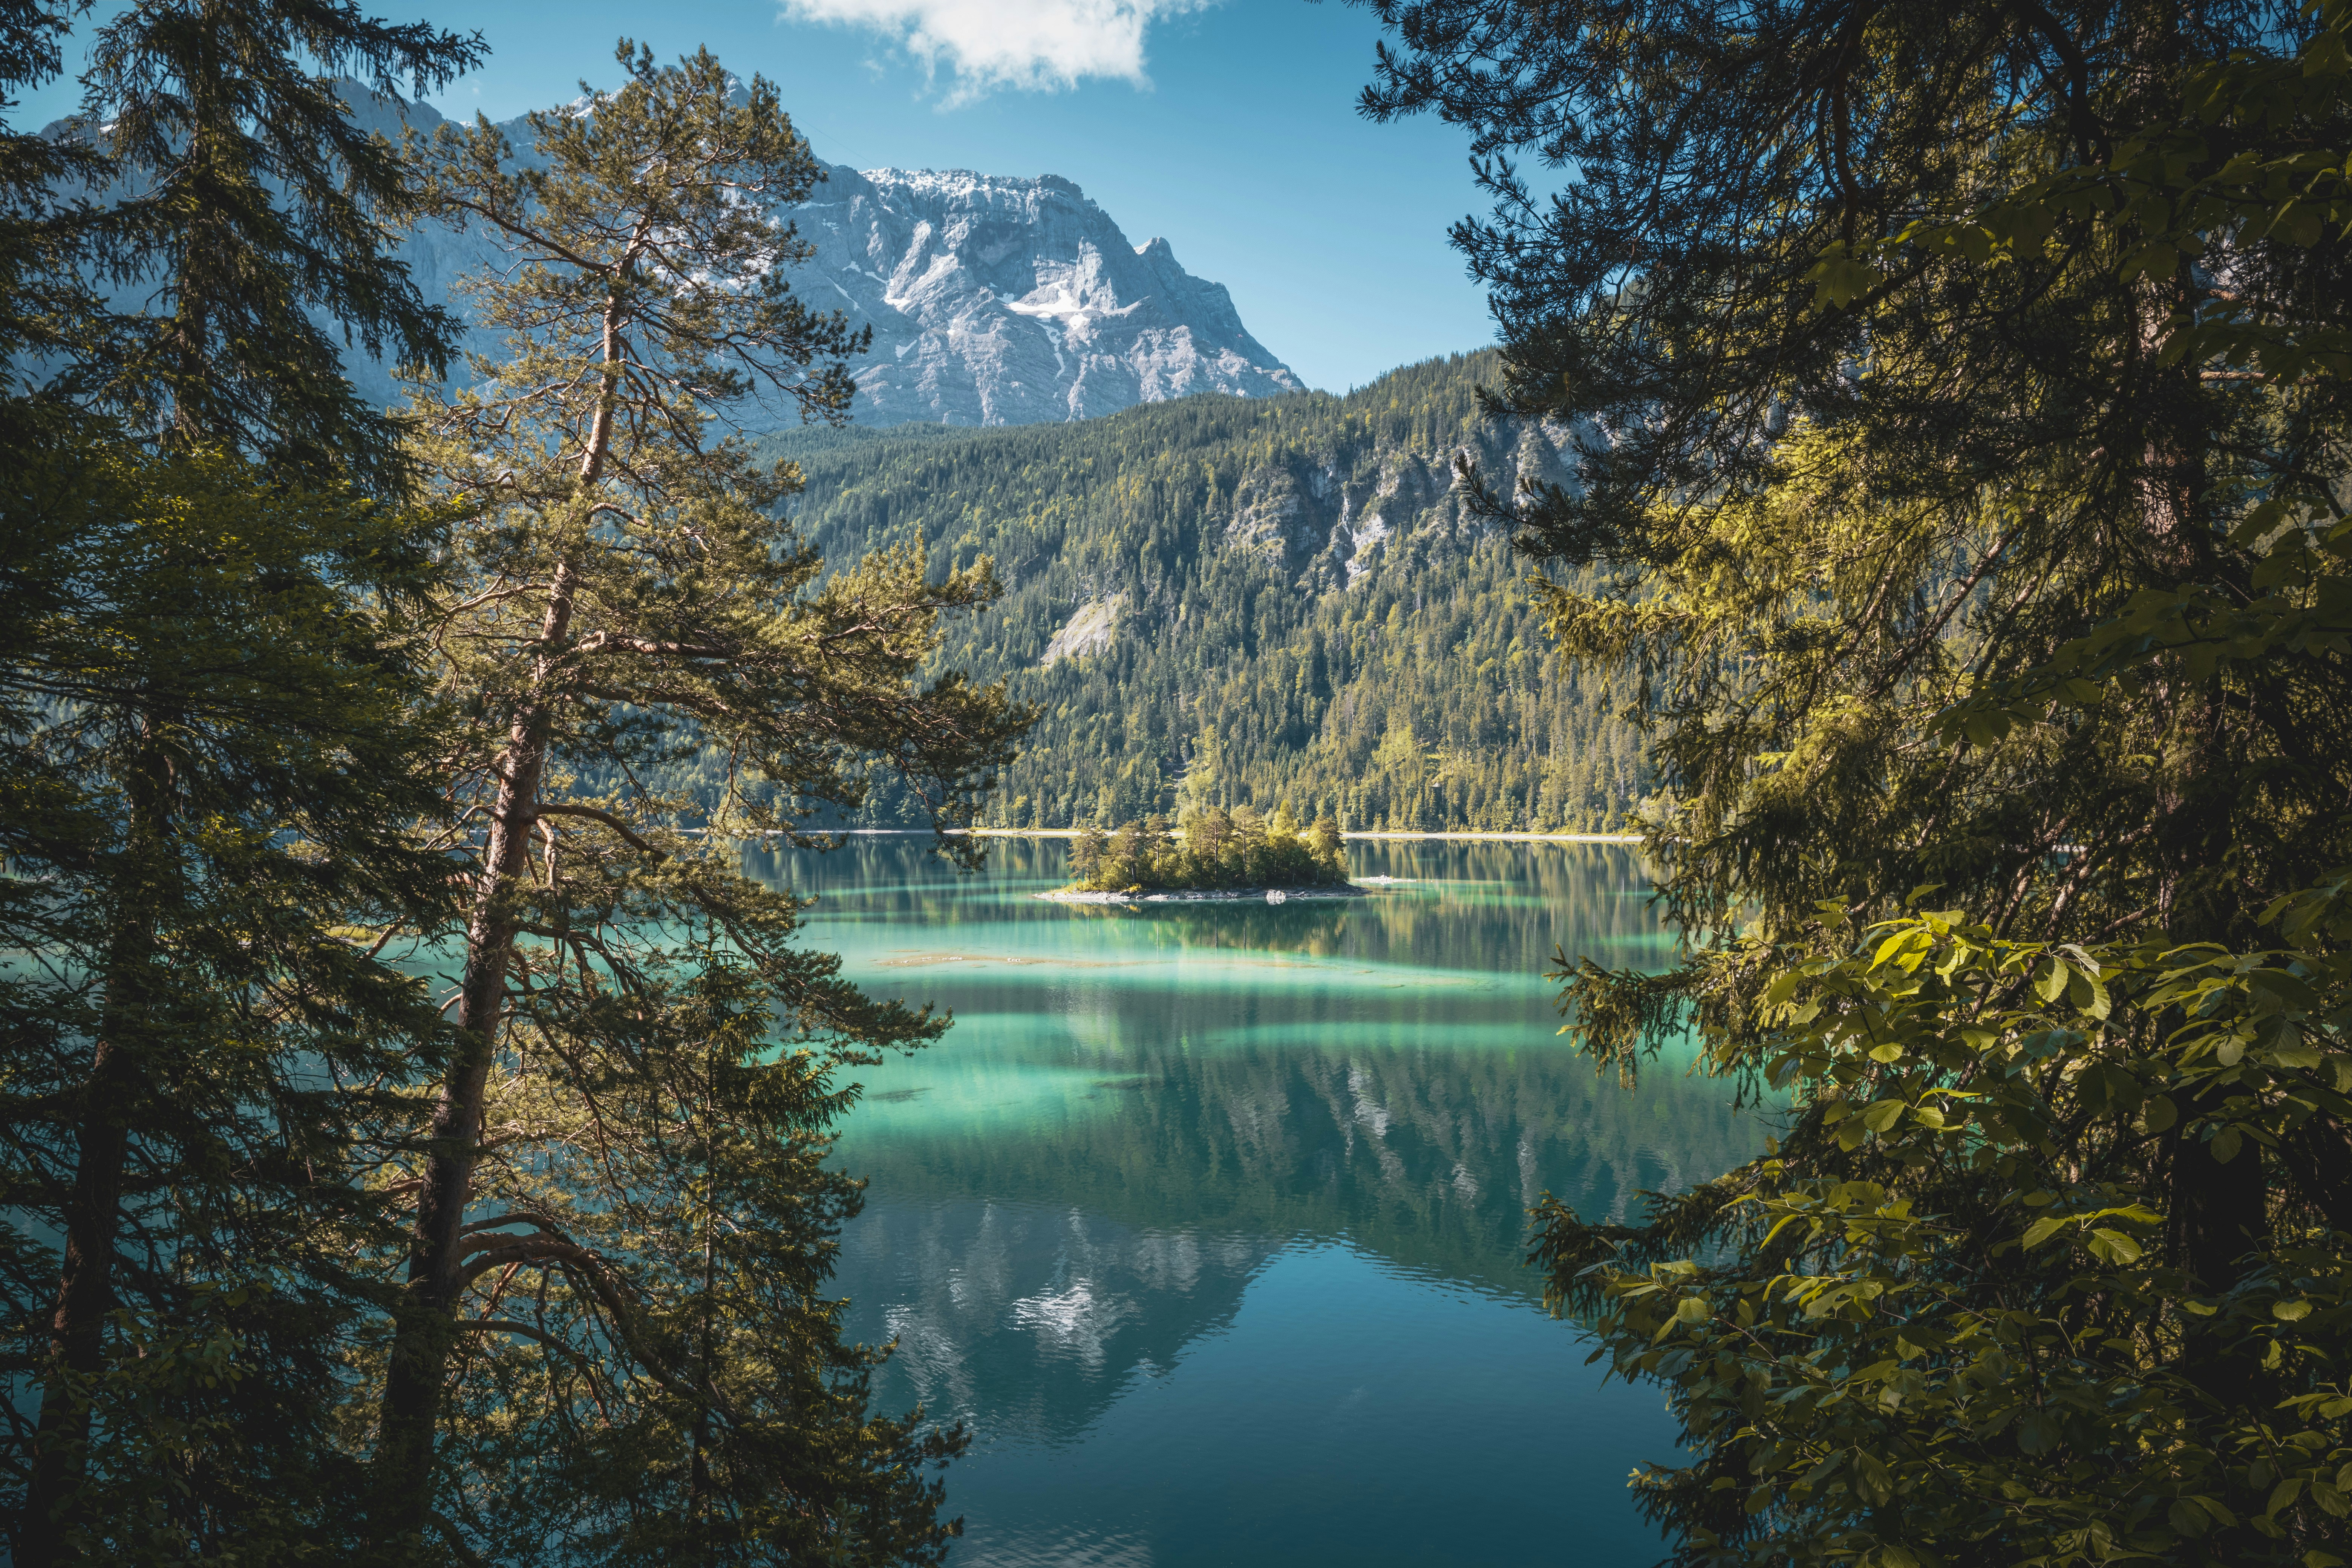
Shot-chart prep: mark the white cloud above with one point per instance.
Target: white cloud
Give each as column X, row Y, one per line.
column 1037, row 44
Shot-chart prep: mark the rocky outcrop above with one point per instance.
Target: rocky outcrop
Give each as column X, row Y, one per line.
column 1088, row 630
column 1325, row 524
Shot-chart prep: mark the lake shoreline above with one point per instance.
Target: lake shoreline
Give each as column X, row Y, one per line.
column 1429, row 837
column 1207, row 896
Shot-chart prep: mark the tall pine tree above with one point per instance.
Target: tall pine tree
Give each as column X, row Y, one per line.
column 255, row 224
column 212, row 716
column 614, row 1337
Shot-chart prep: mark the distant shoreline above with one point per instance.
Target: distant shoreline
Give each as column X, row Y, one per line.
column 1205, row 895
column 1467, row 837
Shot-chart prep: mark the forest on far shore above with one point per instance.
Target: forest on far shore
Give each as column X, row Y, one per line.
column 1291, row 604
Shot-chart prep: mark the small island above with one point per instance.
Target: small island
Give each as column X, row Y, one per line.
column 1212, row 855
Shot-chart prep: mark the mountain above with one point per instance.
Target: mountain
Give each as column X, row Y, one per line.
column 1252, row 600
column 1003, row 301
column 992, row 300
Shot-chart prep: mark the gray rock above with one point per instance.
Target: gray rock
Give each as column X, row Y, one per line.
column 1005, row 301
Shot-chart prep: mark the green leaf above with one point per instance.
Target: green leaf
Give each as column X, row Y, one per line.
column 2053, row 984
column 2078, row 991
column 2292, row 1311
column 2290, row 989
column 2043, row 1230
column 2258, row 524
column 1883, row 1114
column 2225, row 1146
column 1824, row 1470
column 1839, row 281
column 2117, row 1247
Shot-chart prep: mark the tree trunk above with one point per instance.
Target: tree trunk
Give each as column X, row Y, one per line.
column 400, row 1489
column 403, row 1484
column 2219, row 1209
column 110, row 1100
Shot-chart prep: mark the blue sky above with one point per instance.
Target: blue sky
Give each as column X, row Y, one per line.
column 1228, row 128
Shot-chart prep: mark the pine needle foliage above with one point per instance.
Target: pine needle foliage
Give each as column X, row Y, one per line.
column 212, row 710
column 47, row 304
column 1968, row 399
column 253, row 223
column 614, row 1347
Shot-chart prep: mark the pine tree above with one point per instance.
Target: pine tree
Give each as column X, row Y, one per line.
column 621, row 1225
column 47, row 304
column 212, row 725
column 211, row 718
column 247, row 201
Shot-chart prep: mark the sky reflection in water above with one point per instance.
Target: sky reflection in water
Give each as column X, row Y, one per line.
column 1208, row 1221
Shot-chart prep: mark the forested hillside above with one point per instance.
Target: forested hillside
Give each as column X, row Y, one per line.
column 1250, row 602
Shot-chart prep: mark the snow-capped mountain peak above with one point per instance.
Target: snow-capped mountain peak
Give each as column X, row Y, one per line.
column 996, row 300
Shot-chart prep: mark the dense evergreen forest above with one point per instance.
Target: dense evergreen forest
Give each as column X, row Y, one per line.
column 1251, row 602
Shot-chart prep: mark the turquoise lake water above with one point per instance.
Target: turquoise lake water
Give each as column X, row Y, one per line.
column 1208, row 1222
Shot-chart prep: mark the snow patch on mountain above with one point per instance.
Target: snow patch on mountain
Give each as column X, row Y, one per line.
column 1009, row 301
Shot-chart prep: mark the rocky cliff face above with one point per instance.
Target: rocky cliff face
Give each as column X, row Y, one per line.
column 1325, row 520
column 993, row 301
column 1003, row 301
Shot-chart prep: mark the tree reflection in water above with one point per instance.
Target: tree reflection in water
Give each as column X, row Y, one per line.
column 1139, row 1109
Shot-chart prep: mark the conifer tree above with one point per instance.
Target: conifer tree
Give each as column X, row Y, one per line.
column 48, row 305
column 249, row 205
column 212, row 721
column 212, row 729
column 613, row 1335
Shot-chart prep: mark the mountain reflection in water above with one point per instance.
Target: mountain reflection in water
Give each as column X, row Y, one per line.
column 1209, row 1220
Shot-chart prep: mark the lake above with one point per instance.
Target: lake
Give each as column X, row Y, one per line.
column 1208, row 1220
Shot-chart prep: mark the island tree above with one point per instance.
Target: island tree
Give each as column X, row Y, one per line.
column 614, row 1343
column 1212, row 848
column 1964, row 399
